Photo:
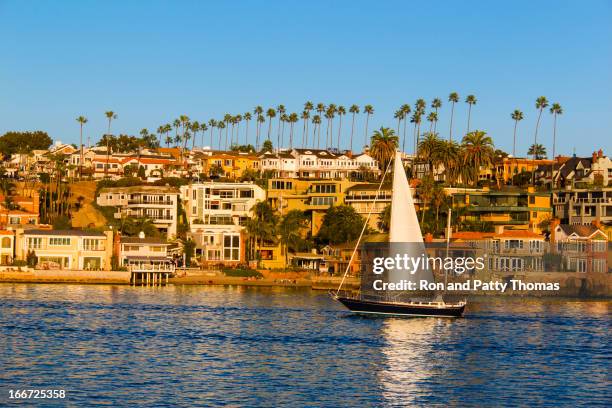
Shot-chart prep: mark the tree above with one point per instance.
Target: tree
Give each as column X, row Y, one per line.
column 341, row 112
column 405, row 108
column 538, row 151
column 270, row 113
column 305, row 117
column 429, row 150
column 110, row 116
column 384, row 143
column 293, row 118
column 341, row 224
column 82, row 121
column 517, row 116
column 384, row 219
column 555, row 110
column 425, row 191
column 453, row 98
column 289, row 230
column 261, row 227
column 368, row 110
column 354, row 109
column 478, row 152
column 436, row 104
column 247, row 118
column 267, row 146
column 432, row 118
column 23, row 142
column 470, row 100
column 316, row 121
column 438, row 197
column 541, row 104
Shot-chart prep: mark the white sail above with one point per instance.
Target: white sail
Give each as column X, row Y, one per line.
column 405, row 237
column 404, row 221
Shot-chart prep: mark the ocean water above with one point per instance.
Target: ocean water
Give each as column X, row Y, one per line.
column 237, row 346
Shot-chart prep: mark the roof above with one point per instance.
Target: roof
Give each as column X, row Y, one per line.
column 5, row 232
column 317, row 152
column 73, row 232
column 584, row 231
column 141, row 189
column 477, row 235
column 369, row 187
column 147, row 240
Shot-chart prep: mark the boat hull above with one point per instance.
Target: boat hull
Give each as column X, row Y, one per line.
column 401, row 309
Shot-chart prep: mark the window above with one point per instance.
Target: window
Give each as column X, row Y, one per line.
column 6, row 242
column 246, row 193
column 513, row 244
column 323, row 201
column 531, row 200
column 231, row 247
column 213, row 255
column 599, row 246
column 92, row 263
column 282, row 185
column 90, row 244
column 34, row 243
column 131, row 248
column 156, row 248
column 325, row 188
column 55, row 241
column 536, row 246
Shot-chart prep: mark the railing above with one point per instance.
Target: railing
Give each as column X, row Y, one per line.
column 151, row 202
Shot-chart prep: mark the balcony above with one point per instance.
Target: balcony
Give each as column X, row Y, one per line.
column 150, row 202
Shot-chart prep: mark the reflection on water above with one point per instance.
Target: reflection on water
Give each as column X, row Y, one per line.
column 241, row 346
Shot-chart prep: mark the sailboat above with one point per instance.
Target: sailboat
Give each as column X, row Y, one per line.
column 405, row 237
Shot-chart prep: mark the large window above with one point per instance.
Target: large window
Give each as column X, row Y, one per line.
column 92, row 263
column 325, row 188
column 90, row 244
column 323, row 200
column 281, row 185
column 6, row 242
column 231, row 247
column 56, row 241
column 34, row 243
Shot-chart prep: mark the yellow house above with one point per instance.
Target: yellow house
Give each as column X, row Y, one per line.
column 314, row 197
column 7, row 247
column 66, row 249
column 233, row 164
column 514, row 209
column 508, row 167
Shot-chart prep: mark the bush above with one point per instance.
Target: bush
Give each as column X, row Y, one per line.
column 242, row 272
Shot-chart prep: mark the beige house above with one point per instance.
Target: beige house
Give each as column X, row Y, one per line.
column 7, row 247
column 66, row 249
column 144, row 251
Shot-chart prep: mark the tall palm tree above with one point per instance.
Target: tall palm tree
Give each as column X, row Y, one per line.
column 247, row 118
column 416, row 119
column 354, row 109
column 280, row 109
column 82, row 121
column 316, row 121
column 160, row 131
column 212, row 123
column 305, row 117
column 436, row 104
column 470, row 100
column 453, row 98
column 384, row 143
column 406, row 109
column 429, row 150
column 220, row 126
column 293, row 118
column 537, row 150
column 260, row 121
column 450, row 157
column 478, row 152
column 203, row 129
column 331, row 113
column 368, row 110
column 433, row 119
column 341, row 112
column 517, row 116
column 110, row 116
column 541, row 104
column 257, row 111
column 195, row 128
column 270, row 113
column 555, row 110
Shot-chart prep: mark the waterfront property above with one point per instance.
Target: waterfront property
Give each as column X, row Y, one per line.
column 583, row 206
column 7, row 247
column 365, row 198
column 158, row 203
column 582, row 248
column 141, row 252
column 65, row 249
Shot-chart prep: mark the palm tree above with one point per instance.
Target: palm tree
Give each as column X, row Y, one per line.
column 368, row 110
column 436, row 104
column 416, row 119
column 384, row 143
column 316, row 121
column 541, row 104
column 426, row 189
column 331, row 113
column 555, row 110
column 280, row 109
column 289, row 228
column 169, row 140
column 406, row 109
column 247, row 119
column 341, row 112
column 398, row 115
column 270, row 113
column 262, row 226
column 220, row 126
column 305, row 116
column 195, row 128
column 450, row 157
column 538, row 151
column 453, row 98
column 478, row 152
column 260, row 120
column 212, row 124
column 354, row 109
column 110, row 115
column 82, row 121
column 517, row 116
column 293, row 118
column 433, row 119
column 470, row 100
column 429, row 150
column 203, row 129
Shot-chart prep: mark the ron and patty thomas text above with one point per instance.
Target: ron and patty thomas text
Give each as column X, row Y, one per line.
column 458, row 265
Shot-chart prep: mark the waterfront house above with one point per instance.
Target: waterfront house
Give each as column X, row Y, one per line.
column 158, row 203
column 144, row 252
column 583, row 206
column 366, row 198
column 583, row 248
column 7, row 247
column 65, row 249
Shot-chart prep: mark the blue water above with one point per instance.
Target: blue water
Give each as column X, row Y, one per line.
column 210, row 346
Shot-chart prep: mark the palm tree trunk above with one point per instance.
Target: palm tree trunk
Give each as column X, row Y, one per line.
column 319, row 136
column 469, row 116
column 339, row 131
column 365, row 141
column 81, row 158
column 535, row 151
column 514, row 139
column 269, row 126
column 450, row 134
column 404, row 142
column 247, row 133
column 352, row 131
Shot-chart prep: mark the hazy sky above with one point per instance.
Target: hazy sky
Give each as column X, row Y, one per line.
column 151, row 61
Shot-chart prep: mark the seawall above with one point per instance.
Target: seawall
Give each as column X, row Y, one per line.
column 65, row 276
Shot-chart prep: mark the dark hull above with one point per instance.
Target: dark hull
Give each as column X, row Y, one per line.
column 401, row 309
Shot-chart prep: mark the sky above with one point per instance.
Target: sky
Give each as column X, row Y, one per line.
column 151, row 61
